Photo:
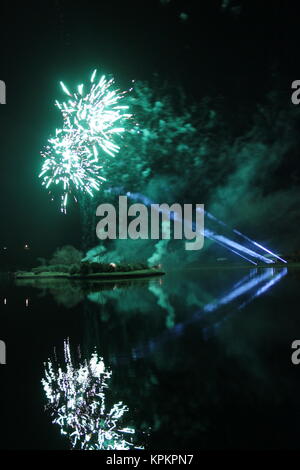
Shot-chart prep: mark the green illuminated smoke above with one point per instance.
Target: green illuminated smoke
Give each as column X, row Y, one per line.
column 92, row 119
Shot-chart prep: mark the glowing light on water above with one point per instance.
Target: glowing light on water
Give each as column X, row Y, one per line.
column 265, row 287
column 239, row 290
column 77, row 401
column 259, row 283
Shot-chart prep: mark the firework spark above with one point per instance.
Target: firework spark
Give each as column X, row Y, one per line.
column 96, row 112
column 71, row 164
column 77, row 402
column 93, row 119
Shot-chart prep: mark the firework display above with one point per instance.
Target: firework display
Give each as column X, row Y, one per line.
column 72, row 165
column 77, row 402
column 93, row 119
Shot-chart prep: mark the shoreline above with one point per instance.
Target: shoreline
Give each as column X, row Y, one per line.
column 95, row 276
column 144, row 272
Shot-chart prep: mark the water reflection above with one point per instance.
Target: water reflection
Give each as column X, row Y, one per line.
column 248, row 287
column 77, row 400
column 172, row 299
column 200, row 357
column 255, row 286
column 118, row 317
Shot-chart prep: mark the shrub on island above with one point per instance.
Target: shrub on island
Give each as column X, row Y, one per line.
column 94, row 267
column 85, row 268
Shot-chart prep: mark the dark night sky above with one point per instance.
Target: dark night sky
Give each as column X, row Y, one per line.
column 212, row 52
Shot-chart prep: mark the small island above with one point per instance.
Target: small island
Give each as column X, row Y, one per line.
column 90, row 270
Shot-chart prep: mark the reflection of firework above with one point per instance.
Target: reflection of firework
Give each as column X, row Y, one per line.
column 76, row 400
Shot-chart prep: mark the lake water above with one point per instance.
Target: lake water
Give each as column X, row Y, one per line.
column 197, row 359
